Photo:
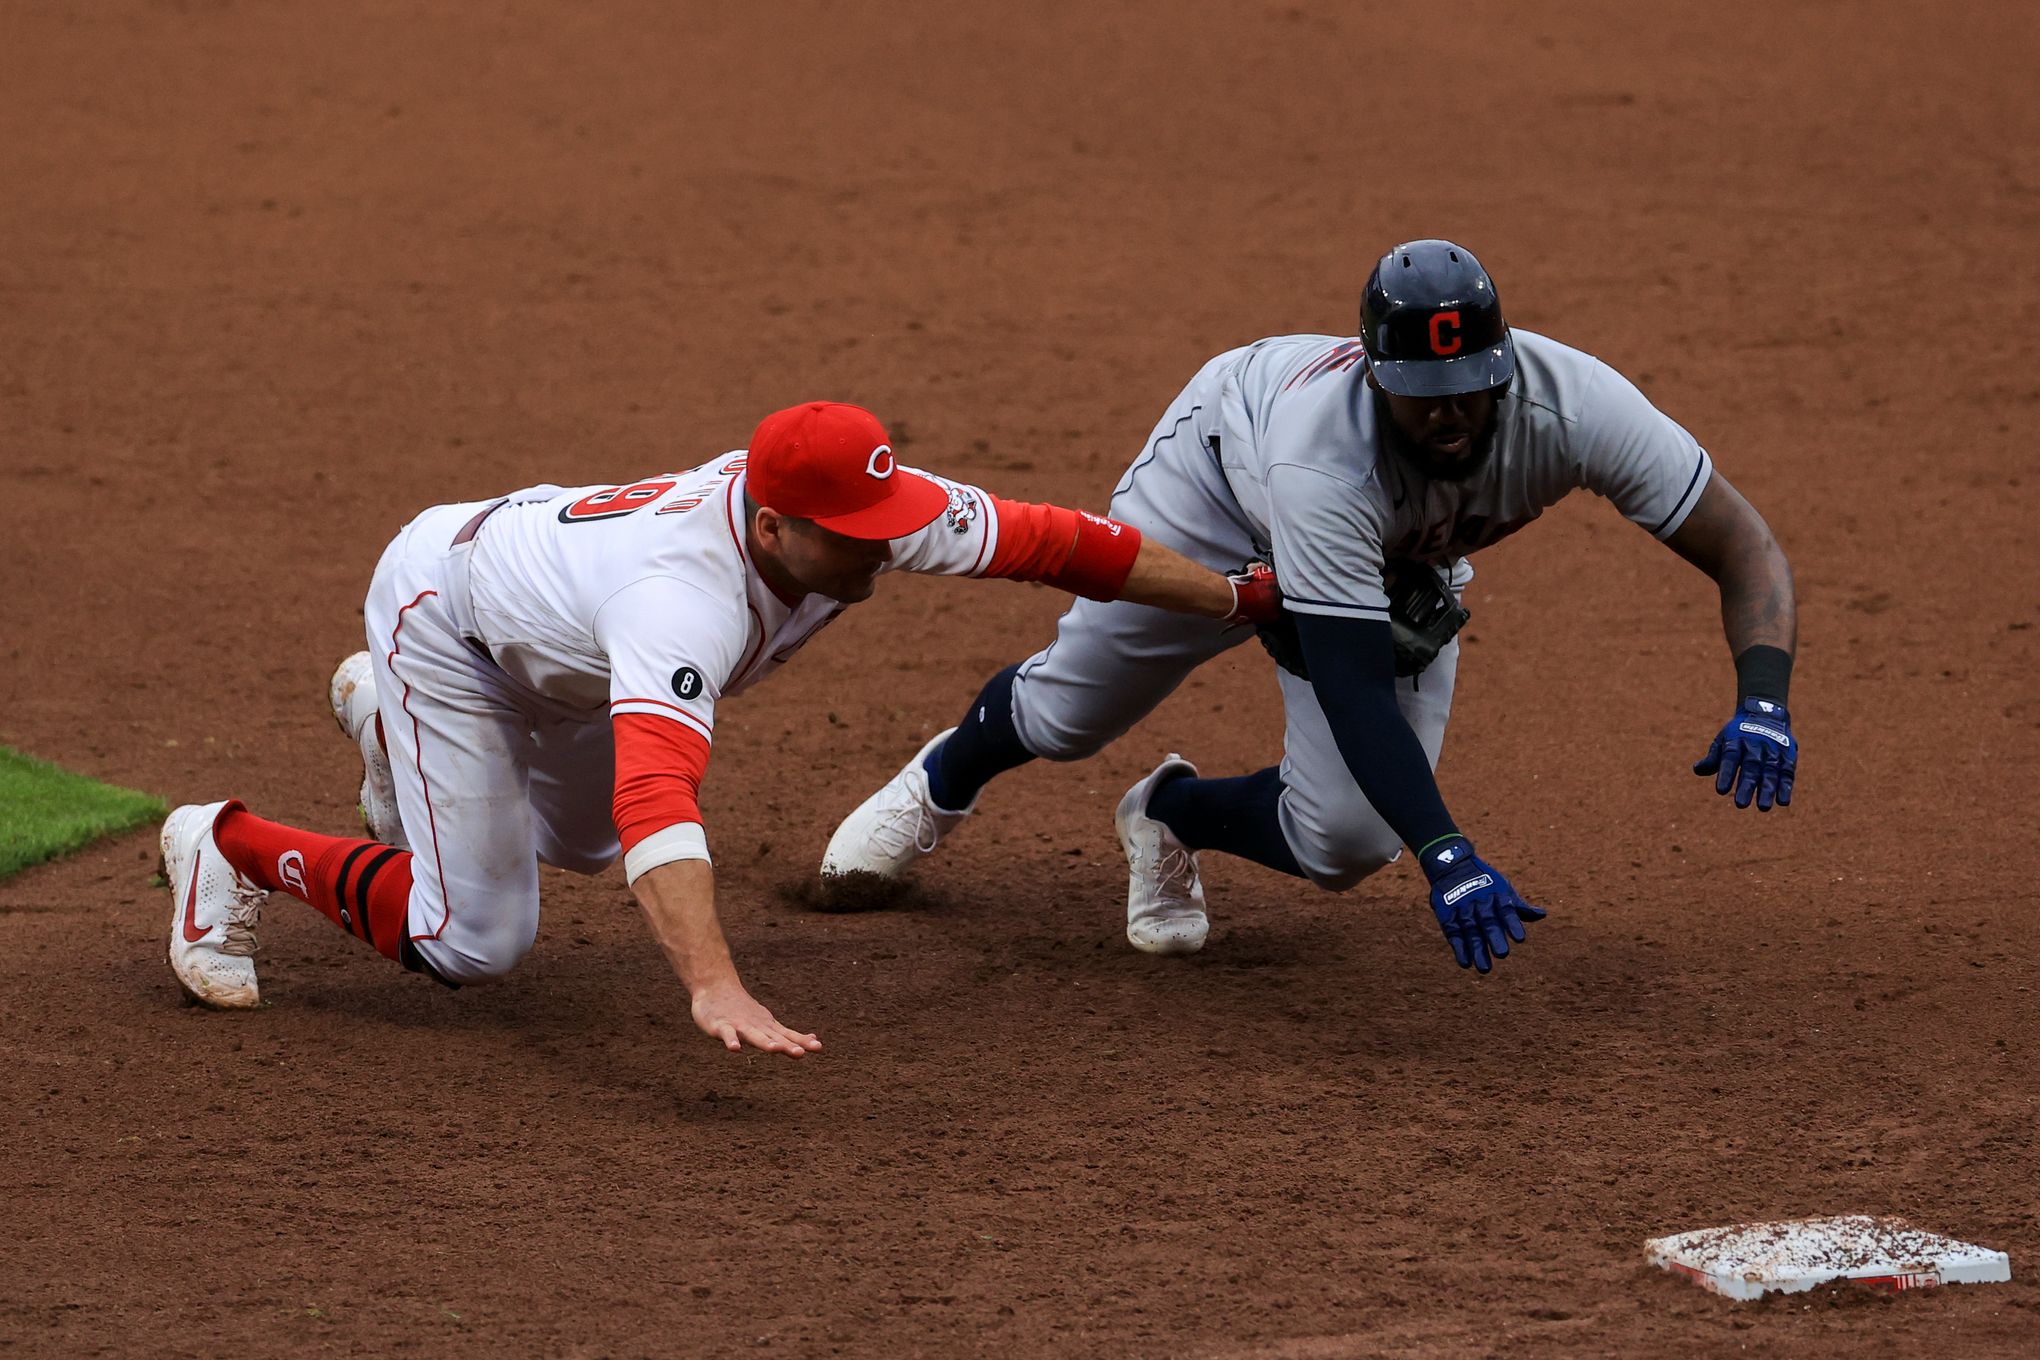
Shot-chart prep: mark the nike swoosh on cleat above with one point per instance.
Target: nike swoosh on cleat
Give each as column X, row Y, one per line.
column 192, row 933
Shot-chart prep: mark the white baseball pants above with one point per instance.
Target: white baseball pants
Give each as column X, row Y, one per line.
column 488, row 784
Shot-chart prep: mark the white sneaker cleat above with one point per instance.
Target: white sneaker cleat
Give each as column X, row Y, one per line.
column 352, row 694
column 894, row 827
column 1164, row 897
column 215, row 912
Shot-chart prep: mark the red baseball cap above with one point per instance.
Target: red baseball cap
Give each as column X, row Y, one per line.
column 830, row 462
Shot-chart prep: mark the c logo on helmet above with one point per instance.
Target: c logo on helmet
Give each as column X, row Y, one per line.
column 1439, row 344
column 880, row 464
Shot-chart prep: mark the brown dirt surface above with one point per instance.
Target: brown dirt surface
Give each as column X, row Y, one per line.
column 273, row 277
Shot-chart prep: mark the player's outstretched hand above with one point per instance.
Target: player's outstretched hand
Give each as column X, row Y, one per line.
column 1475, row 906
column 729, row 1013
column 1754, row 754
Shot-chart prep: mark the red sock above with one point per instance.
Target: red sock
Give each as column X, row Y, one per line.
column 363, row 887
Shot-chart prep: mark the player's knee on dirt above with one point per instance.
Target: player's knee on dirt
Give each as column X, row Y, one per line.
column 479, row 956
column 1064, row 747
column 576, row 834
column 1053, row 740
column 578, row 859
column 1336, row 851
column 1338, row 868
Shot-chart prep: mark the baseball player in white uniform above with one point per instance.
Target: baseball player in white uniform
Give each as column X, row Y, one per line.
column 541, row 682
column 1366, row 470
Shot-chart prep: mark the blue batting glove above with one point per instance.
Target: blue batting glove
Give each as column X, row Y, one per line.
column 1754, row 754
column 1475, row 906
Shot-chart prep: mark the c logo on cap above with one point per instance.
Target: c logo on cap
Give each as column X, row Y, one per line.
column 880, row 464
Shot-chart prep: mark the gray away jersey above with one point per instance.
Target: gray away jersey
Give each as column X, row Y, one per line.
column 1295, row 422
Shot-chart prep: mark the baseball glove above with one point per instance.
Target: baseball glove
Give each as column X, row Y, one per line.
column 1423, row 616
column 1423, row 613
column 1279, row 640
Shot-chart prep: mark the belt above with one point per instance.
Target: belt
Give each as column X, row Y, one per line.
column 455, row 597
column 474, row 526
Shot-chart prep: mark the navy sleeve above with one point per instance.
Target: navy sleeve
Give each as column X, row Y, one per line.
column 1352, row 668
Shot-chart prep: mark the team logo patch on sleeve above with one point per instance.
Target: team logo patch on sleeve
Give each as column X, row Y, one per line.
column 962, row 511
column 687, row 683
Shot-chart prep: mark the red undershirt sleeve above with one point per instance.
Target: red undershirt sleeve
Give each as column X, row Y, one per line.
column 1072, row 550
column 659, row 765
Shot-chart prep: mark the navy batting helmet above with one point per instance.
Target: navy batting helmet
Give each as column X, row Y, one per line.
column 1432, row 323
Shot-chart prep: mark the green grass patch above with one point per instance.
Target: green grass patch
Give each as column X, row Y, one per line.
column 46, row 812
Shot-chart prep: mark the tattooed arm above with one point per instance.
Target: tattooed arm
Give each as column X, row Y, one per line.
column 1726, row 538
column 1755, row 755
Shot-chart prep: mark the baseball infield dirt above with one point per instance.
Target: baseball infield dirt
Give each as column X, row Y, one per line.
column 273, row 277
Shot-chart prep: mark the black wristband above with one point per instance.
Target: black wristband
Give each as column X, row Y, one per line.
column 1763, row 673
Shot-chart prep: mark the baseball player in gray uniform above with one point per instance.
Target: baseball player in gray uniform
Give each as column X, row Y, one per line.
column 1366, row 470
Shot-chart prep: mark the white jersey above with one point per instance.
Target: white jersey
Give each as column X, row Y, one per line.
column 644, row 598
column 1293, row 424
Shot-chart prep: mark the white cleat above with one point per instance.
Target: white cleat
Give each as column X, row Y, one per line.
column 894, row 827
column 353, row 697
column 1164, row 898
column 216, row 910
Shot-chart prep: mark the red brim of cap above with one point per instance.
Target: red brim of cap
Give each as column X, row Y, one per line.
column 912, row 506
